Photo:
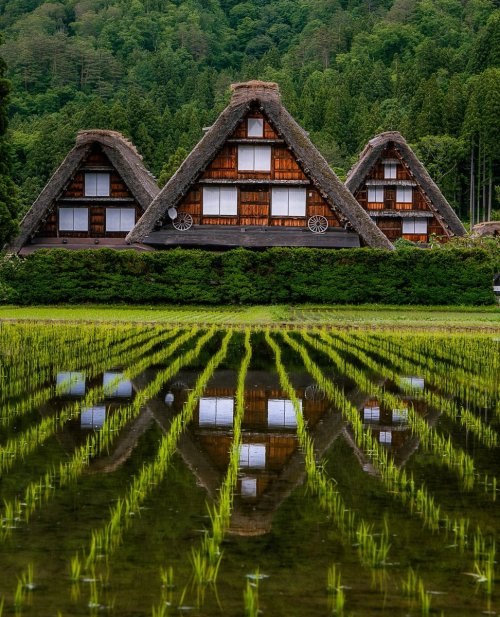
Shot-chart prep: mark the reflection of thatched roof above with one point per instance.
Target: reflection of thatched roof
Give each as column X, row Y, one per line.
column 123, row 156
column 371, row 154
column 266, row 97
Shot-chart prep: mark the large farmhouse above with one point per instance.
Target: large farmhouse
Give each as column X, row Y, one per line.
column 94, row 198
column 256, row 180
column 396, row 190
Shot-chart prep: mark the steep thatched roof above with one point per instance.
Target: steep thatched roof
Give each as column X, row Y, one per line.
column 123, row 156
column 266, row 96
column 371, row 154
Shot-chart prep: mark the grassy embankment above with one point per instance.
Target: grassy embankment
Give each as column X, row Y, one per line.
column 341, row 316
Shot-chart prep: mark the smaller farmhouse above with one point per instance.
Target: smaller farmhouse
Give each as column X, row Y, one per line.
column 393, row 186
column 93, row 200
column 256, row 180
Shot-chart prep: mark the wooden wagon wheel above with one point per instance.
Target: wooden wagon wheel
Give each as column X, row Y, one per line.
column 183, row 221
column 317, row 224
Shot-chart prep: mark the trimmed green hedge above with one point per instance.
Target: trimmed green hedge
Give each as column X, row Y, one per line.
column 278, row 275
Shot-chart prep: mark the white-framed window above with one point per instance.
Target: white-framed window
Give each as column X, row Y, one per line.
column 390, row 171
column 412, row 383
column 254, row 158
column 120, row 219
column 253, row 455
column 404, row 194
column 376, row 194
column 220, row 200
column 371, row 414
column 255, row 127
column 281, row 413
column 93, row 417
column 249, row 487
column 115, row 384
column 216, row 411
column 97, row 184
column 70, row 382
column 385, row 437
column 288, row 202
column 73, row 219
column 400, row 415
column 414, row 226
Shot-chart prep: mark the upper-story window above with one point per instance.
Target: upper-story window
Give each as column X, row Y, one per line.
column 415, row 226
column 73, row 219
column 376, row 195
column 254, row 158
column 120, row 219
column 220, row 200
column 404, row 195
column 390, row 171
column 255, row 127
column 288, row 202
column 97, row 184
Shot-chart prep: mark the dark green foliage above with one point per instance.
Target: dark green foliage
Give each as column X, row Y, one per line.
column 281, row 275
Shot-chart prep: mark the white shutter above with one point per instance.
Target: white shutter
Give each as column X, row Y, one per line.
column 102, row 185
column 81, row 219
column 113, row 219
column 390, row 171
column 262, row 158
column 71, row 383
column 249, row 487
column 371, row 414
column 93, row 417
column 376, row 194
column 245, row 158
column 66, row 219
column 421, row 226
column 90, row 184
column 211, row 197
column 414, row 226
column 114, row 384
column 385, row 437
column 279, row 202
column 225, row 411
column 127, row 219
column 229, row 200
column 257, row 455
column 404, row 194
column 297, row 202
column 255, row 127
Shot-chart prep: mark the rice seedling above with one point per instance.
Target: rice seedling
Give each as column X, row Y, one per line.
column 251, row 596
column 335, row 590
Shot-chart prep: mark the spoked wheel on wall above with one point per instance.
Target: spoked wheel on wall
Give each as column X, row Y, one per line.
column 183, row 221
column 317, row 224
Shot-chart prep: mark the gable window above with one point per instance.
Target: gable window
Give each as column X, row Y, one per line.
column 216, row 411
column 97, row 184
column 253, row 455
column 385, row 437
column 404, row 195
column 255, row 127
column 288, row 202
column 376, row 195
column 93, row 417
column 390, row 171
column 73, row 219
column 220, row 200
column 254, row 158
column 281, row 413
column 415, row 226
column 371, row 414
column 120, row 219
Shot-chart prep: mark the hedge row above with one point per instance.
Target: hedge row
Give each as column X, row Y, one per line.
column 281, row 275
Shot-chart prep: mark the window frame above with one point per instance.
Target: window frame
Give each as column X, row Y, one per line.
column 276, row 189
column 414, row 221
column 221, row 190
column 260, row 122
column 73, row 209
column 392, row 167
column 86, row 179
column 376, row 189
column 246, row 148
column 120, row 210
column 403, row 191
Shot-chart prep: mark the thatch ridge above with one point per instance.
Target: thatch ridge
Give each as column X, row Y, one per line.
column 266, row 96
column 369, row 157
column 122, row 154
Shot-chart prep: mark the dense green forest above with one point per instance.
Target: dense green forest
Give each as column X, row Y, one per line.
column 159, row 70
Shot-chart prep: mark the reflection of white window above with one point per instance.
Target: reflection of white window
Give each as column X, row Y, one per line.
column 390, row 171
column 255, row 127
column 216, row 411
column 254, row 158
column 253, row 455
column 71, row 383
column 415, row 383
column 73, row 219
column 376, row 194
column 115, row 385
column 96, row 184
column 371, row 414
column 404, row 195
column 288, row 202
column 385, row 437
column 249, row 487
column 93, row 417
column 120, row 219
column 400, row 415
column 280, row 412
column 220, row 200
column 414, row 226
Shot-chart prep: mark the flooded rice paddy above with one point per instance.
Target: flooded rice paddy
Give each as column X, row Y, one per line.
column 164, row 471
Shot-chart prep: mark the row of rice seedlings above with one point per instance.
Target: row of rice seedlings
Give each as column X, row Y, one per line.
column 372, row 553
column 453, row 458
column 42, row 489
column 105, row 541
column 28, row 441
column 483, row 432
column 335, row 590
column 413, row 588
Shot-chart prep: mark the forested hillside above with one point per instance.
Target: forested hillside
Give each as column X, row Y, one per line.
column 159, row 70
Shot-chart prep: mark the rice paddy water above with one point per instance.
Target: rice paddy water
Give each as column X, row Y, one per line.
column 157, row 470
